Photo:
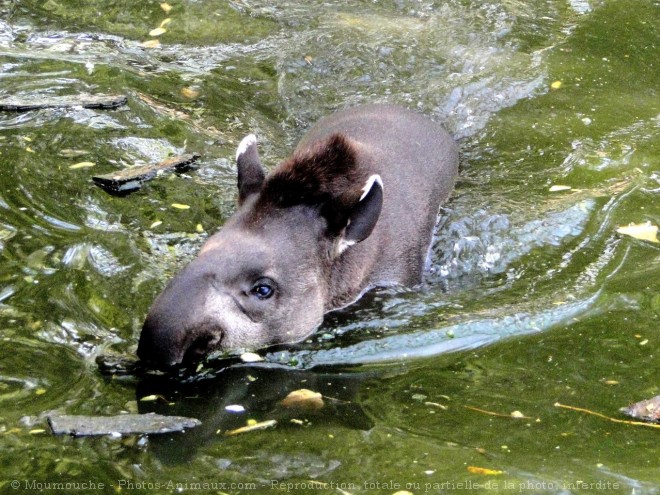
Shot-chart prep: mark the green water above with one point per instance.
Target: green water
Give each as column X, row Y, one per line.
column 531, row 298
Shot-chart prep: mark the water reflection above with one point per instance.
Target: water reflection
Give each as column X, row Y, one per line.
column 259, row 390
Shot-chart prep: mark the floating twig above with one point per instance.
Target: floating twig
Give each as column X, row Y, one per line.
column 17, row 104
column 594, row 413
column 131, row 179
column 501, row 415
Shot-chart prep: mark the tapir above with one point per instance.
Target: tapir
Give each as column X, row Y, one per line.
column 353, row 208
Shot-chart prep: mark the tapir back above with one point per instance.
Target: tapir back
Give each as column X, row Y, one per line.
column 418, row 163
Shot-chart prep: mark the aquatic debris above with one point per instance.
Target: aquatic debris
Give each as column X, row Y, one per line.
column 189, row 92
column 158, row 31
column 559, row 188
column 646, row 410
column 643, row 231
column 303, row 399
column 252, row 426
column 82, row 165
column 514, row 414
column 603, row 416
column 556, row 85
column 110, row 364
column 251, row 357
column 131, row 179
column 235, row 408
column 16, row 104
column 486, row 471
column 180, row 206
column 123, row 424
column 150, row 44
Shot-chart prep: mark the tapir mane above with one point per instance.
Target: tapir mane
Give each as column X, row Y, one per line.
column 327, row 172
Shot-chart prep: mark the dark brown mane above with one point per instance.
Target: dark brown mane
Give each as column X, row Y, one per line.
column 328, row 171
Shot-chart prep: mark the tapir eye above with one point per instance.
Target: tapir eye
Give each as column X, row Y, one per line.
column 263, row 288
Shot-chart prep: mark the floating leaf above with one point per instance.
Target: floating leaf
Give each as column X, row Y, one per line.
column 642, row 231
column 190, row 93
column 40, row 391
column 37, row 431
column 252, row 427
column 151, row 44
column 518, row 415
column 251, row 357
column 559, row 188
column 166, row 7
column 199, row 228
column 156, row 224
column 556, row 85
column 180, row 206
column 165, row 22
column 480, row 470
column 82, row 165
column 157, row 32
column 303, row 399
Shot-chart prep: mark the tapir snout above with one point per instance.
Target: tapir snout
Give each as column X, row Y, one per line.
column 353, row 208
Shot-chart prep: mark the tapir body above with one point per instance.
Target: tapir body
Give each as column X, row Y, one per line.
column 353, row 208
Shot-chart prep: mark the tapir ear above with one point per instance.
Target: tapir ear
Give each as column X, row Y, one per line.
column 363, row 216
column 250, row 172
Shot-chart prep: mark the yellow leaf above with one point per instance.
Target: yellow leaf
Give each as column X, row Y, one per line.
column 149, row 398
column 303, row 399
column 257, row 426
column 166, row 7
column 40, row 391
column 556, row 85
column 157, row 32
column 37, row 431
column 180, row 206
column 29, row 150
column 642, row 231
column 518, row 415
column 165, row 22
column 155, row 224
column 199, row 228
column 82, row 165
column 190, row 93
column 480, row 470
column 151, row 44
column 559, row 188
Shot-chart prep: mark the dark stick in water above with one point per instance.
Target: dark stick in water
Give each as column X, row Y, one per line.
column 130, row 179
column 15, row 104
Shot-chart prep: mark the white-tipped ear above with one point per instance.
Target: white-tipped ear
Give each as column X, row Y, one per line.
column 363, row 216
column 369, row 184
column 245, row 144
column 251, row 174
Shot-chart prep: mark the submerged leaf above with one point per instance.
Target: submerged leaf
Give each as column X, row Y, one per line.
column 180, row 206
column 157, row 32
column 480, row 470
column 151, row 44
column 303, row 399
column 559, row 188
column 82, row 165
column 643, row 231
column 256, row 426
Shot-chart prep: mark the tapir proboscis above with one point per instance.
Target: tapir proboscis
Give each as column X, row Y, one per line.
column 352, row 209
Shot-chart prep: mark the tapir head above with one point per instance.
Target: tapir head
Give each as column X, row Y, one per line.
column 265, row 277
